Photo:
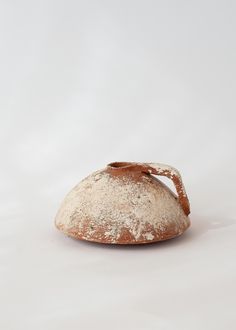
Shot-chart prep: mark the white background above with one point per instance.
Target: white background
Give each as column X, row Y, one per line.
column 84, row 83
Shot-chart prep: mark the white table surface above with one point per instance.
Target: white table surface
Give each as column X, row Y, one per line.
column 87, row 83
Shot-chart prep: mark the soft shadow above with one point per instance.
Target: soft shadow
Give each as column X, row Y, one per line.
column 199, row 226
column 202, row 224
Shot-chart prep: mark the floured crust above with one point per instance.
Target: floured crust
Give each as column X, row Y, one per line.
column 121, row 207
